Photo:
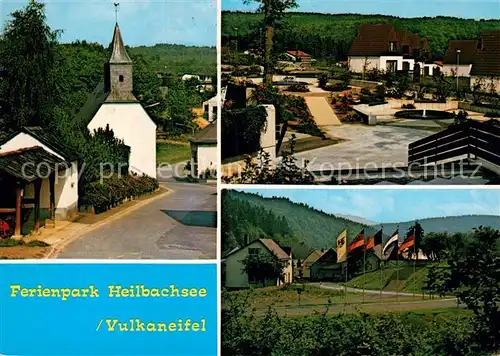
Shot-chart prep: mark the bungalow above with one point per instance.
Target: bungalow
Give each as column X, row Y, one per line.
column 327, row 268
column 38, row 175
column 300, row 57
column 235, row 278
column 384, row 48
column 304, row 266
column 459, row 57
column 204, row 150
column 486, row 65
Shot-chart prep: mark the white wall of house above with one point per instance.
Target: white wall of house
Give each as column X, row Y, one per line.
column 463, row 69
column 203, row 157
column 488, row 83
column 131, row 123
column 356, row 64
column 66, row 183
column 236, row 278
column 210, row 107
column 268, row 137
column 398, row 59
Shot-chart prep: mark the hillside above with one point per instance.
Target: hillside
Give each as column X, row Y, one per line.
column 450, row 224
column 304, row 228
column 309, row 228
column 179, row 59
column 330, row 35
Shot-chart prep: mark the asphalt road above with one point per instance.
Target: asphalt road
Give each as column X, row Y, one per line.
column 181, row 225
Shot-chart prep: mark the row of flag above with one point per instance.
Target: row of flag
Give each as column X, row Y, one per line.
column 344, row 249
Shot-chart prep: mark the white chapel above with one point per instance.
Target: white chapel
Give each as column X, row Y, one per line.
column 112, row 103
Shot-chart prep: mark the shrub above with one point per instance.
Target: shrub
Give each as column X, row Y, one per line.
column 298, row 87
column 114, row 190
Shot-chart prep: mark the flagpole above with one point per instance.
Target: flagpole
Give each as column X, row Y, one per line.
column 397, row 268
column 381, row 262
column 414, row 260
column 346, row 264
column 364, row 269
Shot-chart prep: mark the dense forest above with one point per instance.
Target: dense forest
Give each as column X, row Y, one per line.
column 330, row 35
column 303, row 227
column 179, row 59
column 295, row 225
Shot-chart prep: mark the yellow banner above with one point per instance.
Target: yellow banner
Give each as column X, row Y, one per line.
column 342, row 246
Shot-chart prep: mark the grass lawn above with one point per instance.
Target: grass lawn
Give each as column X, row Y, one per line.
column 172, row 153
column 313, row 299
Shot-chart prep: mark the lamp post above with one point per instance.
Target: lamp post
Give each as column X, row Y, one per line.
column 458, row 68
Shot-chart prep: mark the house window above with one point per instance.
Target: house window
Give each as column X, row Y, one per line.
column 426, row 70
column 253, row 251
column 121, row 78
column 392, row 46
column 406, row 49
column 392, row 66
column 406, row 66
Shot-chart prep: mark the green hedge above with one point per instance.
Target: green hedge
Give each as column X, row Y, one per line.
column 112, row 191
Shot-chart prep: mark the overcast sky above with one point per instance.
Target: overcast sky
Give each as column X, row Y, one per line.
column 394, row 205
column 487, row 9
column 143, row 22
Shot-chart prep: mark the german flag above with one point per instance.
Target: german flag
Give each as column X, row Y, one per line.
column 358, row 242
column 374, row 240
column 408, row 242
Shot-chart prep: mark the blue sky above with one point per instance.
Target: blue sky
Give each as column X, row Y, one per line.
column 486, row 9
column 143, row 22
column 394, row 205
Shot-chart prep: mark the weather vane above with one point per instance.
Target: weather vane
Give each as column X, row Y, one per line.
column 117, row 4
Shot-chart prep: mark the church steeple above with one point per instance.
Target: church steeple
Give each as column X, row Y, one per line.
column 119, row 54
column 118, row 72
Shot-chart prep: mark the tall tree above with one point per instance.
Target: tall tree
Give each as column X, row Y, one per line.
column 473, row 274
column 27, row 60
column 273, row 11
column 263, row 267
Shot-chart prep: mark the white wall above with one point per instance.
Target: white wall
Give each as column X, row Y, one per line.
column 212, row 108
column 236, row 278
column 207, row 157
column 356, row 64
column 463, row 69
column 131, row 123
column 66, row 183
column 398, row 59
column 268, row 137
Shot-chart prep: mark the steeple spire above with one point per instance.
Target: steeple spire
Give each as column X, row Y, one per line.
column 119, row 54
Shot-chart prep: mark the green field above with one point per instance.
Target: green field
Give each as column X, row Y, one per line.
column 312, row 299
column 172, row 153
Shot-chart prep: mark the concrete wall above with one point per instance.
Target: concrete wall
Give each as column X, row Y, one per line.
column 131, row 123
column 364, row 83
column 487, row 83
column 236, row 278
column 66, row 183
column 268, row 137
column 476, row 108
column 463, row 70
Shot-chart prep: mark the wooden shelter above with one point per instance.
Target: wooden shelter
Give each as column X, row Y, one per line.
column 23, row 167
